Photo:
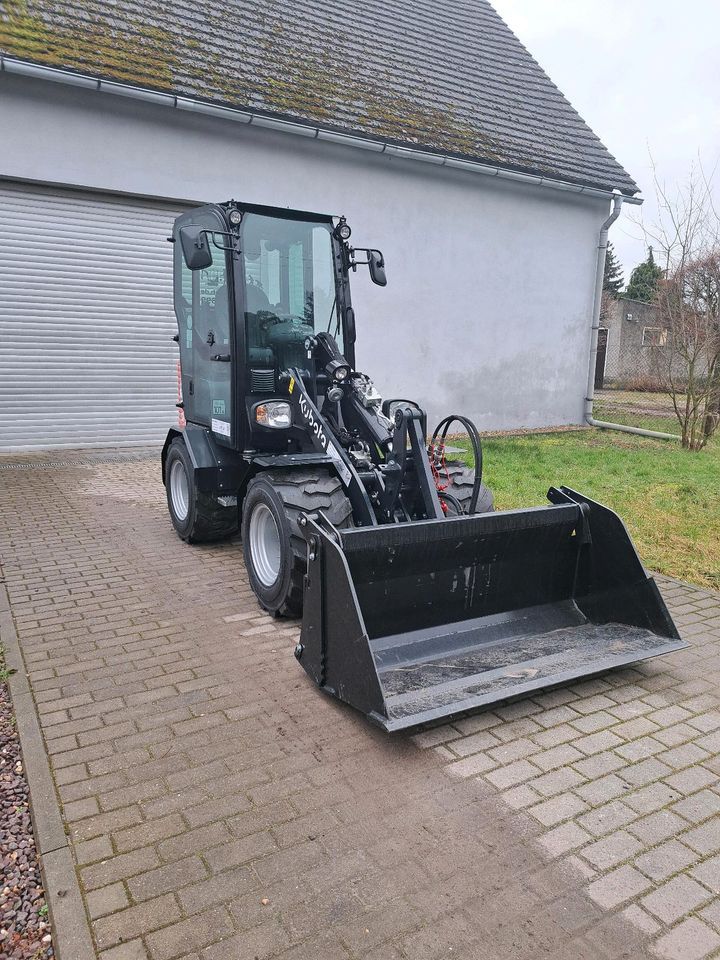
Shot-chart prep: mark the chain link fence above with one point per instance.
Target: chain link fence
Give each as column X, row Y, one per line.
column 631, row 370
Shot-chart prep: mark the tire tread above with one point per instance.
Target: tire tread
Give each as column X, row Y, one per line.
column 210, row 521
column 306, row 491
column 461, row 484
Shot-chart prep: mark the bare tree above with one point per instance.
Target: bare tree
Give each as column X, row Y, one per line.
column 688, row 304
column 688, row 225
column 687, row 238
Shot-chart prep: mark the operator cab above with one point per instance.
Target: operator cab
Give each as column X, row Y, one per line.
column 253, row 286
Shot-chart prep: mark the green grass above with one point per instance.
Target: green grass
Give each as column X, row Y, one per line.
column 652, row 411
column 5, row 673
column 668, row 498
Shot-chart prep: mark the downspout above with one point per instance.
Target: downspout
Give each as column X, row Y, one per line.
column 595, row 331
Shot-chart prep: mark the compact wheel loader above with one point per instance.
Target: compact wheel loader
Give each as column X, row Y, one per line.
column 418, row 599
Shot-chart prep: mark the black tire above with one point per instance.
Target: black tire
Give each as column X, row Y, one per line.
column 287, row 494
column 203, row 519
column 460, row 488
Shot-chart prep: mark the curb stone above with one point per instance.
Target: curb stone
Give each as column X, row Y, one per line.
column 72, row 939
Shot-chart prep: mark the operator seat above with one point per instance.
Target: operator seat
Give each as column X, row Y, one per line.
column 220, row 310
column 257, row 302
column 256, row 299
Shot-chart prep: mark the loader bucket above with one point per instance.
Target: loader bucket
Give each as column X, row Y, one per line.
column 411, row 622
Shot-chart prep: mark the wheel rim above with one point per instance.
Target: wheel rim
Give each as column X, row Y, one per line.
column 179, row 490
column 265, row 547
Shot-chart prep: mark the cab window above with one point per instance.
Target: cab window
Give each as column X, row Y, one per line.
column 203, row 314
column 289, row 288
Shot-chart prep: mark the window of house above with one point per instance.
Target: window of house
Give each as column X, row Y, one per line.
column 654, row 337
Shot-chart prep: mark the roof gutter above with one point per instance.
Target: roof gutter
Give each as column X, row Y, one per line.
column 67, row 77
column 595, row 331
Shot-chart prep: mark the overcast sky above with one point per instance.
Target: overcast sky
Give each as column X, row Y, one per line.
column 644, row 74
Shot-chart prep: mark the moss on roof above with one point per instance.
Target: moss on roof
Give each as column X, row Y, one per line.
column 440, row 75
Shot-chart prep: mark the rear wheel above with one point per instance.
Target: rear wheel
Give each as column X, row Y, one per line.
column 274, row 547
column 460, row 489
column 197, row 517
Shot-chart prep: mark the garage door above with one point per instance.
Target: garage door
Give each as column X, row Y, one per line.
column 86, row 319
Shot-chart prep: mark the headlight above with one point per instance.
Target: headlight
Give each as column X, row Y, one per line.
column 275, row 414
column 235, row 217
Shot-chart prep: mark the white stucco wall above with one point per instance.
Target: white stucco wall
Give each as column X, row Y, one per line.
column 490, row 283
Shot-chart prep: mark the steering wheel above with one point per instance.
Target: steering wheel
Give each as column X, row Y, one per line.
column 286, row 329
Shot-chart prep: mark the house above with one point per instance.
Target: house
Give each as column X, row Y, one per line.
column 634, row 347
column 430, row 127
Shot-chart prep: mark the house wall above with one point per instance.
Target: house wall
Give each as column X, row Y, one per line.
column 490, row 283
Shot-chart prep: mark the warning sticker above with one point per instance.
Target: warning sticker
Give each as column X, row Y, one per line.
column 218, row 408
column 340, row 464
column 220, row 426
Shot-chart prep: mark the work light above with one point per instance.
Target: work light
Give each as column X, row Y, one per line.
column 343, row 230
column 235, row 217
column 338, row 370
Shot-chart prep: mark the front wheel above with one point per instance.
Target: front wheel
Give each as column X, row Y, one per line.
column 273, row 544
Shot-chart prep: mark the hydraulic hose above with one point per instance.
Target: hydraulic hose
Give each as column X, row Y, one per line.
column 442, row 429
column 444, row 495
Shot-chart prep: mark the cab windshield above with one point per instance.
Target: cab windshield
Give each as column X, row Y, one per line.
column 289, row 288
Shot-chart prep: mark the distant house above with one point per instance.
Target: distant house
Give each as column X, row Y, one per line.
column 633, row 345
column 429, row 126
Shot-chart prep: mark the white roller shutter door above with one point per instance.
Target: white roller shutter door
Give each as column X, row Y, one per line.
column 86, row 319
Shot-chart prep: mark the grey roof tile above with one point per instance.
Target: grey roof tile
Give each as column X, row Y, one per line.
column 442, row 75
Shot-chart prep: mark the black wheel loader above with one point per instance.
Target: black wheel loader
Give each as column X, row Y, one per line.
column 418, row 600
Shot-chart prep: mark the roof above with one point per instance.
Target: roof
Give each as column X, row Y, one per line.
column 447, row 76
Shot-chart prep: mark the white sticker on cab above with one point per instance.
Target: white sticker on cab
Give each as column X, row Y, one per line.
column 220, row 426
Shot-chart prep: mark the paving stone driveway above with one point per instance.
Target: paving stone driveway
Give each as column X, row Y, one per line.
column 221, row 808
column 621, row 773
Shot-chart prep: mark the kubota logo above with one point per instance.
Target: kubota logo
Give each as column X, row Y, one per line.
column 312, row 423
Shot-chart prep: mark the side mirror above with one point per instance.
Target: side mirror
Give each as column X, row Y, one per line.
column 376, row 265
column 195, row 247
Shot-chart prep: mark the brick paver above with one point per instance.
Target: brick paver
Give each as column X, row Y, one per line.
column 220, row 807
column 634, row 799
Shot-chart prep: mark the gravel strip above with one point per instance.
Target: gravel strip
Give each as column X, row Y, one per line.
column 24, row 926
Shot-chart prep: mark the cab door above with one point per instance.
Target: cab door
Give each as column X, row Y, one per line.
column 203, row 304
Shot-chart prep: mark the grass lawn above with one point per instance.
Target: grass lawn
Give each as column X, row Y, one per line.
column 668, row 498
column 653, row 411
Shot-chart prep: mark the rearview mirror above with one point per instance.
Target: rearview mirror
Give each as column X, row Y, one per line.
column 376, row 265
column 195, row 247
